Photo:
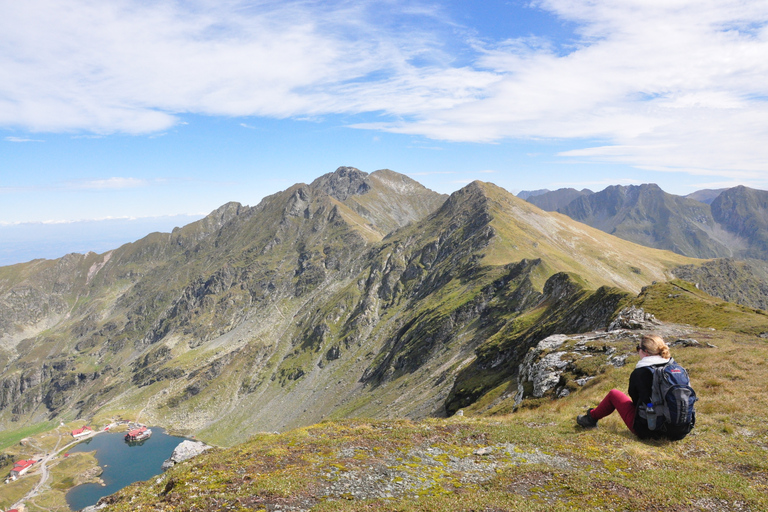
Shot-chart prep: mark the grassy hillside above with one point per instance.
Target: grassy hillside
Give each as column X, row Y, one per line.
column 490, row 458
column 534, row 459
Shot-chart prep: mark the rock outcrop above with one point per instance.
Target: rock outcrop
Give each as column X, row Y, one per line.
column 185, row 451
column 560, row 363
column 633, row 318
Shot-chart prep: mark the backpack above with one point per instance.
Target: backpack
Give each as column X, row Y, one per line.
column 672, row 398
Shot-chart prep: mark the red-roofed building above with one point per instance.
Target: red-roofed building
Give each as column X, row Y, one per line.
column 21, row 467
column 81, row 432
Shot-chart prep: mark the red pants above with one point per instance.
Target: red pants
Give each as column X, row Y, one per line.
column 615, row 400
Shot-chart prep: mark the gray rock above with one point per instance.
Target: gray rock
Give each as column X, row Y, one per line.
column 94, row 508
column 543, row 373
column 633, row 318
column 186, row 450
column 618, row 361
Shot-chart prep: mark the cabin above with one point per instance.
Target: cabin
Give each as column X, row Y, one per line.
column 21, row 467
column 81, row 432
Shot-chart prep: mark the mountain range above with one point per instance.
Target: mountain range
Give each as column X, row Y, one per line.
column 728, row 223
column 358, row 295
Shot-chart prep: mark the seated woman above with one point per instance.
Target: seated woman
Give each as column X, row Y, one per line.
column 653, row 351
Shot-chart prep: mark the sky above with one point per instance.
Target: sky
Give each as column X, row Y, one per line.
column 124, row 117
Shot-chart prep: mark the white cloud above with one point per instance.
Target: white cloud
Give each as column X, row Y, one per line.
column 130, row 66
column 181, row 216
column 675, row 85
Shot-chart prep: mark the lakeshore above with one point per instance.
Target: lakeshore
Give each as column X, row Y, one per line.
column 123, row 463
column 71, row 457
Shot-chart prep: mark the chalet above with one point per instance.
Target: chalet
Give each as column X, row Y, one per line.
column 81, row 432
column 138, row 434
column 21, row 467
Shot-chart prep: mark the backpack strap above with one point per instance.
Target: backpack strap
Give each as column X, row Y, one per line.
column 656, row 398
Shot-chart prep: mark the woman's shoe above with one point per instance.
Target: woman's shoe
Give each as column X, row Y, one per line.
column 586, row 421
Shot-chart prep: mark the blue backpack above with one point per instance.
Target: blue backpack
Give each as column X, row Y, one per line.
column 672, row 398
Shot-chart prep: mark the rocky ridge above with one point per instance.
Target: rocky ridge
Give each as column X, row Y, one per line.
column 356, row 295
column 728, row 223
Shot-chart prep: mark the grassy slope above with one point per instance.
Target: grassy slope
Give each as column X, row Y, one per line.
column 537, row 459
column 459, row 439
column 522, row 230
column 598, row 258
column 534, row 459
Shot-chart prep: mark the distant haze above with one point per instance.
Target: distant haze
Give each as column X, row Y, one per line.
column 28, row 241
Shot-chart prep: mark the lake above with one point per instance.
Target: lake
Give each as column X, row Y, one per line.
column 123, row 463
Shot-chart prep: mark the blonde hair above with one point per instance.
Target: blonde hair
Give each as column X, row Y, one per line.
column 654, row 345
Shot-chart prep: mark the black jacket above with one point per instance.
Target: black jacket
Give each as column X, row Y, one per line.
column 640, row 386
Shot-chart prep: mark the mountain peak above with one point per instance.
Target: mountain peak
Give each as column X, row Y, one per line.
column 343, row 183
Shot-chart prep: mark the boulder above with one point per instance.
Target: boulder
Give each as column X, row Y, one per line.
column 186, row 450
column 541, row 373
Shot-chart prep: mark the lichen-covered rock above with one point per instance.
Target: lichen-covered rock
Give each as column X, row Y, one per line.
column 560, row 364
column 540, row 374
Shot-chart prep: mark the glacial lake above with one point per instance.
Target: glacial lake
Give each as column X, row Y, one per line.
column 123, row 464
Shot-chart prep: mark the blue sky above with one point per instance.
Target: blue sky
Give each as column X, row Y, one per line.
column 123, row 117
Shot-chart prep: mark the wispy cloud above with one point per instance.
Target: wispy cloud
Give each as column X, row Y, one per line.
column 21, row 139
column 184, row 217
column 108, row 183
column 114, row 183
column 679, row 86
column 129, row 66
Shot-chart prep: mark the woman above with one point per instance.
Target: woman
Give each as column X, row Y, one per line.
column 653, row 351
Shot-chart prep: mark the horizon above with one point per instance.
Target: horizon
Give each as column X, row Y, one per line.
column 135, row 110
column 25, row 242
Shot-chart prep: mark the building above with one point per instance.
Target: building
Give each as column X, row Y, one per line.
column 21, row 467
column 81, row 432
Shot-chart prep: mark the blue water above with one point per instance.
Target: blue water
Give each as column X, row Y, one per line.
column 123, row 463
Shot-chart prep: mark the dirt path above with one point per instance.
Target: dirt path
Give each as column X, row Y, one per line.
column 44, row 473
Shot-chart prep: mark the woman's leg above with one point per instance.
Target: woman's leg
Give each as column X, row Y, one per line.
column 615, row 400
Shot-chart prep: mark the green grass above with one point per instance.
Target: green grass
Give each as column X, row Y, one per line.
column 14, row 491
column 11, row 437
column 680, row 301
column 542, row 460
